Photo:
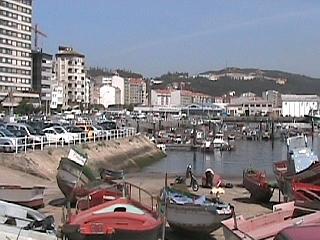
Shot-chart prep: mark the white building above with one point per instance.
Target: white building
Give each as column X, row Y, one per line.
column 109, row 95
column 56, row 96
column 161, row 97
column 70, row 69
column 298, row 105
column 120, row 83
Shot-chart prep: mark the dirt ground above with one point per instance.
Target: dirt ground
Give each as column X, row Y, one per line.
column 237, row 196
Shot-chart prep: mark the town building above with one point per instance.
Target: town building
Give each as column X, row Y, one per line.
column 161, row 97
column 109, row 95
column 15, row 52
column 56, row 96
column 70, row 70
column 181, row 97
column 249, row 106
column 122, row 84
column 137, row 91
column 272, row 96
column 42, row 76
column 299, row 105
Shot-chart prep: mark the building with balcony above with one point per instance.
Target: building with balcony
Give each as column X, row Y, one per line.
column 70, row 73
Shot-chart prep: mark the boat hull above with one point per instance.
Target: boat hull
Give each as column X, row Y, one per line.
column 193, row 218
column 29, row 197
column 119, row 235
column 257, row 185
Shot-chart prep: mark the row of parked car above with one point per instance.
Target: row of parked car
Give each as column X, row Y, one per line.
column 14, row 136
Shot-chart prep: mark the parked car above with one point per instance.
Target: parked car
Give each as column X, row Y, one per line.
column 54, row 135
column 88, row 129
column 108, row 125
column 8, row 142
column 75, row 129
column 34, row 136
column 59, row 128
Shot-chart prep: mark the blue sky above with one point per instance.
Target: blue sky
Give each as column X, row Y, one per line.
column 157, row 36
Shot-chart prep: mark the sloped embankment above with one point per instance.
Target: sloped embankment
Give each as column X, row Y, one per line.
column 130, row 154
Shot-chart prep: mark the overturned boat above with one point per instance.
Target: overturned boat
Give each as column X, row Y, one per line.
column 186, row 212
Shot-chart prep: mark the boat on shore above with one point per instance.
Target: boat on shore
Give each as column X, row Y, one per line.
column 258, row 186
column 18, row 222
column 307, row 195
column 267, row 226
column 26, row 196
column 120, row 218
column 186, row 212
column 302, row 166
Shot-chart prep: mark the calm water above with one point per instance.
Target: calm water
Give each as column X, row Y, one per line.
column 257, row 154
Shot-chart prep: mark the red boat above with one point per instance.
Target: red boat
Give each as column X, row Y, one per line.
column 302, row 166
column 26, row 196
column 307, row 195
column 120, row 218
column 267, row 226
column 310, row 232
column 256, row 183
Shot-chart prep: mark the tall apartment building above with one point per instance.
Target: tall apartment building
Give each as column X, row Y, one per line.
column 70, row 70
column 15, row 46
column 137, row 91
column 42, row 76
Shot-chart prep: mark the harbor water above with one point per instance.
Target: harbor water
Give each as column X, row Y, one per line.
column 256, row 154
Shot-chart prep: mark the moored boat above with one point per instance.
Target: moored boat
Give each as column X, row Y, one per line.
column 186, row 212
column 121, row 219
column 25, row 196
column 256, row 183
column 218, row 141
column 268, row 225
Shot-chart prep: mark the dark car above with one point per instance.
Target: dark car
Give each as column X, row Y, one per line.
column 75, row 129
column 108, row 125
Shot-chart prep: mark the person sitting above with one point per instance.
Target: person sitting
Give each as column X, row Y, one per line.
column 209, row 175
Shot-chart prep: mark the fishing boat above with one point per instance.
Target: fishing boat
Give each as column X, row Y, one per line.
column 218, row 141
column 258, row 186
column 25, row 196
column 302, row 166
column 76, row 180
column 306, row 195
column 266, row 226
column 231, row 137
column 18, row 222
column 310, row 232
column 266, row 135
column 186, row 212
column 122, row 218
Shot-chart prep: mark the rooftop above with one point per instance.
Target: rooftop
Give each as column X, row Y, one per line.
column 294, row 97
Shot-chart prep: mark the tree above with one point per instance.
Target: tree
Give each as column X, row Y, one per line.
column 24, row 107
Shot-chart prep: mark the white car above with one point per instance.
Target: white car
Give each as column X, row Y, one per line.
column 54, row 135
column 76, row 136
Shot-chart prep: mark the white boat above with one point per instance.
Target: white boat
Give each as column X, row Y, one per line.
column 8, row 232
column 218, row 141
column 201, row 215
column 17, row 222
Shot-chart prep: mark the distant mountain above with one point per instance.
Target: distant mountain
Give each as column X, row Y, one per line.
column 257, row 81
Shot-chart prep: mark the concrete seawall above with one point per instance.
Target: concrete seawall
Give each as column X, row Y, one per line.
column 130, row 154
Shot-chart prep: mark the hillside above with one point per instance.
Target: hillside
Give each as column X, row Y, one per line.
column 97, row 71
column 295, row 83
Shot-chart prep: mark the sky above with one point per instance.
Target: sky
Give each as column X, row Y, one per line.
column 156, row 36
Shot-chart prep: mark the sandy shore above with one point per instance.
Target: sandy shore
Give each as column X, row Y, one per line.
column 237, row 195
